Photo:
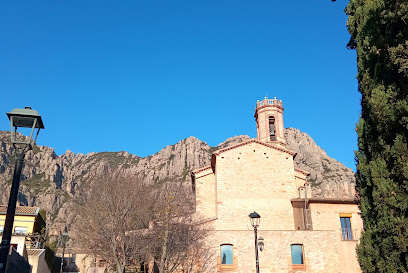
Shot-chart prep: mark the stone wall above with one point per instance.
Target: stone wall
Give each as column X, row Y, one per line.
column 205, row 192
column 255, row 178
column 320, row 250
column 327, row 216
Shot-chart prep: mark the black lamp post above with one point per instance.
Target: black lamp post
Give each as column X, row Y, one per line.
column 19, row 118
column 255, row 221
column 64, row 240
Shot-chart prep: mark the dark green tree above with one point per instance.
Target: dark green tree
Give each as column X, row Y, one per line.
column 379, row 33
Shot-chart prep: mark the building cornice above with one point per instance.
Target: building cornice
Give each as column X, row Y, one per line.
column 260, row 108
column 327, row 200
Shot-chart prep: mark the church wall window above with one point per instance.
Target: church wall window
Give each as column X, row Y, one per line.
column 346, row 231
column 227, row 254
column 297, row 255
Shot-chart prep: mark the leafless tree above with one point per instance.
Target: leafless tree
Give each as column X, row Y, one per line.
column 124, row 222
column 197, row 258
column 180, row 233
column 187, row 250
column 112, row 217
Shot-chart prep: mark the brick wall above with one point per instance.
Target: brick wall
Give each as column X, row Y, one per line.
column 320, row 250
column 255, row 178
column 327, row 216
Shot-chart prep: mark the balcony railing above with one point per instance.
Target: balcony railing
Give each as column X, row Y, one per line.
column 269, row 102
column 348, row 234
column 32, row 240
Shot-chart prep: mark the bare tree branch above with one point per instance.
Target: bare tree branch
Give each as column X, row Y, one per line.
column 115, row 207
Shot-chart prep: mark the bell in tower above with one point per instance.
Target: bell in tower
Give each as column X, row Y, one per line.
column 269, row 121
column 272, row 135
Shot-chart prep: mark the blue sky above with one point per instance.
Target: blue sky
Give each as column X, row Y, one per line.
column 141, row 75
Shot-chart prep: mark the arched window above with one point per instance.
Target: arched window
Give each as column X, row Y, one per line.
column 297, row 254
column 226, row 254
column 272, row 130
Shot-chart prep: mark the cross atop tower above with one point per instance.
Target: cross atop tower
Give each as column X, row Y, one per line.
column 269, row 121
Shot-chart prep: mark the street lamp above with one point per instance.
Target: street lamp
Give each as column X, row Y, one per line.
column 255, row 221
column 64, row 240
column 19, row 118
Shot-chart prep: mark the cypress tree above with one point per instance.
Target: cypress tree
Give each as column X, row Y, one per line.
column 379, row 33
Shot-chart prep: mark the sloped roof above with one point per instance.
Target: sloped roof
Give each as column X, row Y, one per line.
column 218, row 152
column 22, row 210
column 302, row 171
column 201, row 169
column 35, row 252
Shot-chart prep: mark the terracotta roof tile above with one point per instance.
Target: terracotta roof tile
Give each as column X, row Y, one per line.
column 35, row 252
column 22, row 210
column 201, row 169
column 302, row 171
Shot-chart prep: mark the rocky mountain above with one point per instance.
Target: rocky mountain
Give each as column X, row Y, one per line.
column 53, row 182
column 329, row 177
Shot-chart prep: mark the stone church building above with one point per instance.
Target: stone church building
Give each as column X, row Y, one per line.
column 301, row 233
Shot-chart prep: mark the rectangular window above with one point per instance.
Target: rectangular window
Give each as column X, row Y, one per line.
column 297, row 254
column 226, row 255
column 346, row 231
column 1, row 229
column 20, row 230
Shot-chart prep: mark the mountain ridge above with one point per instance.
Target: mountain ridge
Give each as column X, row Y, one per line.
column 54, row 182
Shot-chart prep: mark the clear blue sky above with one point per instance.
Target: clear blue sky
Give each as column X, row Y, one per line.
column 141, row 75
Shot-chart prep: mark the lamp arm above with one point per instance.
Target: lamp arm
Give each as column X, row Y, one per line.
column 36, row 135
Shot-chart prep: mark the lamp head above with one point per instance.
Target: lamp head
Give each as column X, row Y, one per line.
column 65, row 236
column 255, row 219
column 25, row 118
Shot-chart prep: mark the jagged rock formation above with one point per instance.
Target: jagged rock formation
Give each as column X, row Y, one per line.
column 53, row 182
column 329, row 177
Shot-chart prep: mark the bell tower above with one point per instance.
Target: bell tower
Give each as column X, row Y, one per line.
column 269, row 121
